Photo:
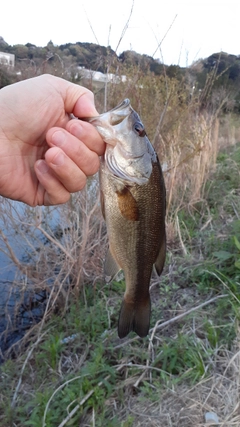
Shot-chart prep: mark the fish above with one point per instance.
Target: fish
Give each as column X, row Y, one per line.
column 133, row 204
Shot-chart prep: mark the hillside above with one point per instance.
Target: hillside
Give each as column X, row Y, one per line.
column 219, row 73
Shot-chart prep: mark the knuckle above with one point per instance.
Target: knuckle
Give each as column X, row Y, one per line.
column 95, row 164
column 59, row 199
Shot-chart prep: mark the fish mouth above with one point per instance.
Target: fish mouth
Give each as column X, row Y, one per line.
column 107, row 123
column 119, row 113
column 114, row 116
column 125, row 103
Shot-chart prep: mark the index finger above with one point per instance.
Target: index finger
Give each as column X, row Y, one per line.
column 88, row 134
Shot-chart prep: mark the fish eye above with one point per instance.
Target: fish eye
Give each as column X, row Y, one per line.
column 138, row 127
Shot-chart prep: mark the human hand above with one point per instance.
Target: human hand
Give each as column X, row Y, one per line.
column 44, row 155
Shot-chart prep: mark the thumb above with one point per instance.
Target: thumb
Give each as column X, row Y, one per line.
column 77, row 99
column 85, row 106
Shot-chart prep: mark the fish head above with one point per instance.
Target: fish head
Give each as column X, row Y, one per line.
column 129, row 153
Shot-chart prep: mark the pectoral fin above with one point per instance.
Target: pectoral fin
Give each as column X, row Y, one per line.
column 127, row 204
column 111, row 267
column 159, row 263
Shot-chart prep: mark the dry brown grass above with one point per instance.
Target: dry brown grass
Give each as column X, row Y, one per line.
column 185, row 139
column 187, row 143
column 62, row 260
column 178, row 405
column 54, row 252
column 186, row 406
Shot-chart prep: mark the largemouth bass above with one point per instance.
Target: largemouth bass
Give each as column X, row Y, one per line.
column 133, row 202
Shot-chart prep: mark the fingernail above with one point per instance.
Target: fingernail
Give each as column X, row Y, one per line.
column 58, row 138
column 59, row 159
column 42, row 166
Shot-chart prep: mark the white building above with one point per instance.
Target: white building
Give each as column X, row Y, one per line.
column 7, row 59
column 97, row 76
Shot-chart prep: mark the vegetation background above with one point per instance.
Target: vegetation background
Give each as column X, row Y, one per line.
column 70, row 368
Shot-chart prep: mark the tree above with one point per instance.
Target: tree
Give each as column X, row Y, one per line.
column 21, row 51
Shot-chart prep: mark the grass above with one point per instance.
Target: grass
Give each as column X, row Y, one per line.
column 71, row 368
column 77, row 371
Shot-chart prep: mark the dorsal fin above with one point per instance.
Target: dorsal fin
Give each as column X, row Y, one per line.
column 159, row 263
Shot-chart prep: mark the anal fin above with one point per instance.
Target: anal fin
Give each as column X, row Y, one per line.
column 111, row 267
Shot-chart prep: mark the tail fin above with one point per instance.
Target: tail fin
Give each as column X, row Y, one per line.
column 134, row 317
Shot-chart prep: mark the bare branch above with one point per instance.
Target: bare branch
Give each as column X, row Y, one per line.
column 90, row 25
column 165, row 35
column 125, row 27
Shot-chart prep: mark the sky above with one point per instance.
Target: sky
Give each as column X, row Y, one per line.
column 186, row 30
